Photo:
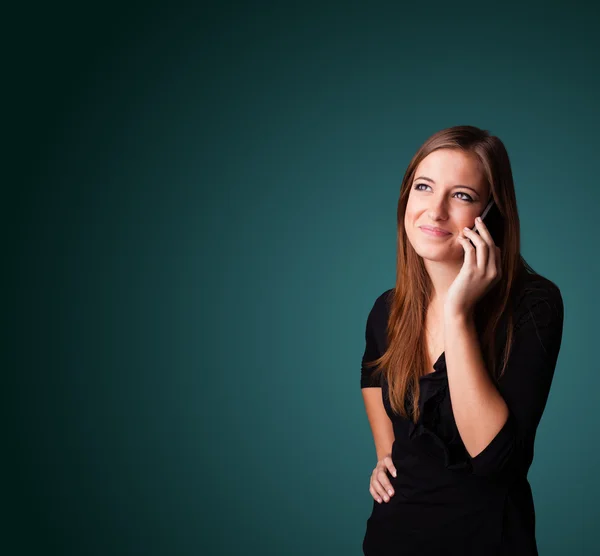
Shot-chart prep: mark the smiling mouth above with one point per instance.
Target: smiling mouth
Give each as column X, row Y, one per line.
column 435, row 233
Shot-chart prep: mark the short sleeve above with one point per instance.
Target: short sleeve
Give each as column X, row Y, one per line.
column 367, row 380
column 525, row 384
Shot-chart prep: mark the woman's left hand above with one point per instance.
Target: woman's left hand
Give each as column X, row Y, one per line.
column 481, row 270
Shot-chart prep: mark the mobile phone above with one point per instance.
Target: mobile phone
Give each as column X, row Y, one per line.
column 487, row 209
column 493, row 221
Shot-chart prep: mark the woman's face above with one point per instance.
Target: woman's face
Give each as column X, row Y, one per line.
column 449, row 191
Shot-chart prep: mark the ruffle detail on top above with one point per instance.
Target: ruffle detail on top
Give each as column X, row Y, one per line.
column 435, row 431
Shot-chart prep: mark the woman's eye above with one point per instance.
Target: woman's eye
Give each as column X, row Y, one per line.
column 468, row 199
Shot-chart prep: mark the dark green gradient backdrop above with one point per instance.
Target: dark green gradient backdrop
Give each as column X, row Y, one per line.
column 200, row 208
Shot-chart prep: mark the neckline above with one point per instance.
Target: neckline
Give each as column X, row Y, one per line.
column 439, row 366
column 439, row 359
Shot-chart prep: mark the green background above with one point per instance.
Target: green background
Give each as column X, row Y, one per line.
column 200, row 210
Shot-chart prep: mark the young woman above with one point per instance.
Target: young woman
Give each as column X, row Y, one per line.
column 458, row 362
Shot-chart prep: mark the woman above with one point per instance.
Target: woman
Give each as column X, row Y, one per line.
column 458, row 362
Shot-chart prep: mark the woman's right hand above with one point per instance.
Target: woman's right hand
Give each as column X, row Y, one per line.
column 380, row 486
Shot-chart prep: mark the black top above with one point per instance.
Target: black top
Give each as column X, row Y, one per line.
column 445, row 501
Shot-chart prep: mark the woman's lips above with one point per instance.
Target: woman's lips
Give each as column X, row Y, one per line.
column 435, row 233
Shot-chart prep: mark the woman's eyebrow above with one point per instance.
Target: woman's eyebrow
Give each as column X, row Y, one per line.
column 429, row 179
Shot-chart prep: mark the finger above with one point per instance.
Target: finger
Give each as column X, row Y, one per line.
column 385, row 482
column 374, row 494
column 468, row 248
column 487, row 236
column 481, row 248
column 380, row 490
column 389, row 464
column 375, row 488
column 376, row 483
column 484, row 232
column 391, row 467
column 494, row 259
column 379, row 482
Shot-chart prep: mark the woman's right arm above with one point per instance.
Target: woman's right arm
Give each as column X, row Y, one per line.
column 381, row 425
column 383, row 434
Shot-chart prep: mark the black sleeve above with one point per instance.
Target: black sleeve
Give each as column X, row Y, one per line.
column 371, row 352
column 525, row 384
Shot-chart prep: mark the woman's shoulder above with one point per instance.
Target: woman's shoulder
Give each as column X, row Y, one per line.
column 381, row 309
column 383, row 302
column 535, row 293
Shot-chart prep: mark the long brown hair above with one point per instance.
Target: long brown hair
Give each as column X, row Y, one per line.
column 406, row 358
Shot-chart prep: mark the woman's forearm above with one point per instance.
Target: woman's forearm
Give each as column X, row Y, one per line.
column 381, row 425
column 479, row 409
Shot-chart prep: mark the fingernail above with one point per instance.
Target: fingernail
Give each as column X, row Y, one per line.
column 466, row 229
column 391, row 491
column 394, row 473
column 478, row 219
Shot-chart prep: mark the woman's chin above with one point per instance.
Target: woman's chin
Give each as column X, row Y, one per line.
column 440, row 255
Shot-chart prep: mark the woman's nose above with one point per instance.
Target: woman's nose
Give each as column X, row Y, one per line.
column 438, row 210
